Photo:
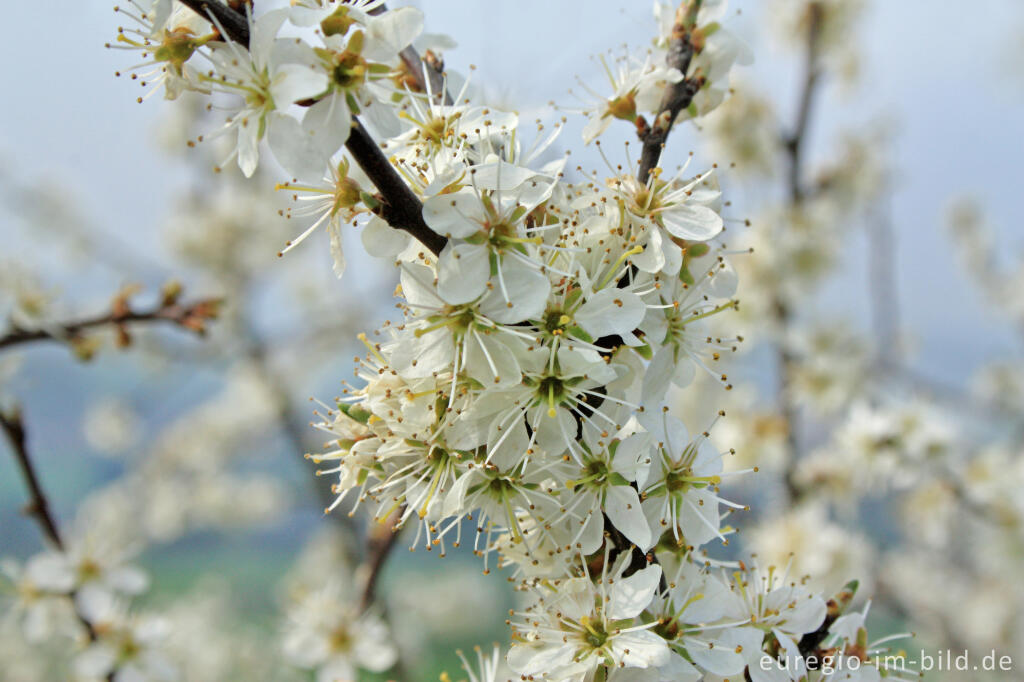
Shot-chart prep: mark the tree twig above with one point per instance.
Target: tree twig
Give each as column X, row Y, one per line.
column 400, row 206
column 38, row 506
column 786, row 361
column 812, row 73
column 191, row 316
column 233, row 22
column 380, row 542
column 678, row 96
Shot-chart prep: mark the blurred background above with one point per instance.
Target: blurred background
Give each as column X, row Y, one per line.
column 880, row 388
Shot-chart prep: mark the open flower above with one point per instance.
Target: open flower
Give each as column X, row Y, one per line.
column 579, row 626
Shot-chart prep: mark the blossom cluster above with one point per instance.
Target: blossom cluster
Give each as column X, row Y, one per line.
column 522, row 397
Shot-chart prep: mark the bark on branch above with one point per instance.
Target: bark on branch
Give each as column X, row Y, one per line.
column 38, row 506
column 678, row 96
column 793, row 145
column 190, row 316
column 381, row 541
column 400, row 207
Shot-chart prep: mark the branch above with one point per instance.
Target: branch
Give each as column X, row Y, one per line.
column 233, row 22
column 678, row 96
column 794, row 144
column 381, row 540
column 191, row 316
column 400, row 207
column 38, row 507
column 812, row 73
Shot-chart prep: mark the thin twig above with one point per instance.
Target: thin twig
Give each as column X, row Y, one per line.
column 678, row 96
column 400, row 206
column 812, row 74
column 381, row 541
column 786, row 361
column 38, row 507
column 234, row 23
column 191, row 316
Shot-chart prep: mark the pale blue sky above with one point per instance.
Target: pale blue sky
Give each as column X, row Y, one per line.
column 939, row 72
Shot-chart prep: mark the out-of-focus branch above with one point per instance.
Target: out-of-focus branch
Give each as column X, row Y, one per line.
column 38, row 506
column 677, row 95
column 812, row 73
column 381, row 540
column 191, row 316
column 794, row 145
column 399, row 206
column 290, row 423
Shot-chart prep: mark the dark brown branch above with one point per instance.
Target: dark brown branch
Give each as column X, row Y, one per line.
column 191, row 316
column 678, row 96
column 233, row 22
column 794, row 143
column 812, row 73
column 38, row 506
column 400, row 206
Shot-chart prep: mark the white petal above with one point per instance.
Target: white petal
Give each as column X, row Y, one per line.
column 489, row 359
column 622, row 504
column 658, row 376
column 630, row 596
column 264, row 32
column 527, row 291
column 381, row 240
column 693, row 222
column 391, row 32
column 462, row 272
column 595, row 126
column 528, row 659
column 719, row 660
column 640, row 649
column 51, row 572
column 328, row 123
column 453, row 215
column 500, row 175
column 506, row 450
column 611, row 311
column 653, row 257
column 294, row 83
column 298, row 153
